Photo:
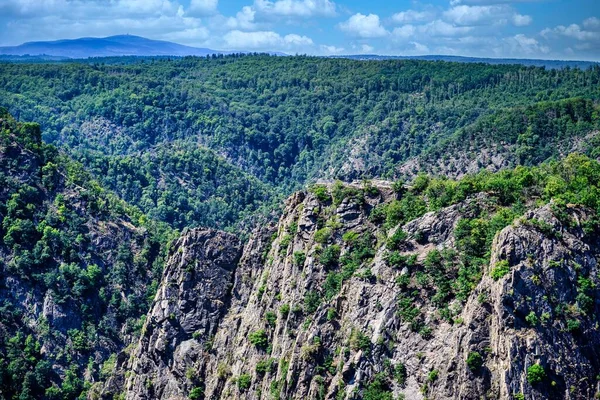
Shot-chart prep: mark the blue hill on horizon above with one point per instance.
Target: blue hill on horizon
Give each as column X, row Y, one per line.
column 119, row 45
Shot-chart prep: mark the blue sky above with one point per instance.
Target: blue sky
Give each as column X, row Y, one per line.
column 549, row 29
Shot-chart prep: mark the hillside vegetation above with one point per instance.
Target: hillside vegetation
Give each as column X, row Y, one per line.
column 461, row 262
column 287, row 121
column 79, row 269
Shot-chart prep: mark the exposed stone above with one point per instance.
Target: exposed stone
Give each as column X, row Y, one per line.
column 335, row 351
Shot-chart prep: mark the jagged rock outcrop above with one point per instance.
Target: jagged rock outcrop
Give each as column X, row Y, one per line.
column 532, row 315
column 321, row 308
column 192, row 298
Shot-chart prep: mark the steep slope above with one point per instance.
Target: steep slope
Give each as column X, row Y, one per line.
column 78, row 268
column 289, row 121
column 516, row 136
column 359, row 293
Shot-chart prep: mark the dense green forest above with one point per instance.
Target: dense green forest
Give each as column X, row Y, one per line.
column 91, row 260
column 209, row 141
column 94, row 261
column 122, row 155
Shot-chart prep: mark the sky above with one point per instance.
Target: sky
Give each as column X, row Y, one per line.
column 546, row 29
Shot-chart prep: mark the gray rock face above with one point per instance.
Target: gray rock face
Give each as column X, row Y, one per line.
column 523, row 318
column 190, row 302
column 284, row 322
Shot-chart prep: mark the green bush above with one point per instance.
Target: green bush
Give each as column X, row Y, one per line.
column 378, row 389
column 299, row 258
column 474, row 361
column 244, row 382
column 433, row 375
column 420, row 183
column 333, row 284
column 285, row 242
column 501, row 269
column 350, row 237
column 396, row 240
column 259, row 338
column 271, row 318
column 378, row 214
column 312, row 300
column 340, row 192
column 331, row 314
column 196, row 393
column 398, row 187
column 330, row 255
column 322, row 235
column 532, row 319
column 360, row 341
column 284, row 310
column 264, row 366
column 573, row 325
column 321, row 193
column 400, row 374
column 535, row 374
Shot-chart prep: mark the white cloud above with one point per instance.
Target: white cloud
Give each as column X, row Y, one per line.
column 88, row 9
column 521, row 20
column 296, row 8
column 325, row 49
column 410, row 16
column 420, row 48
column 189, row 35
column 485, row 15
column 364, row 26
column 203, row 7
column 592, row 23
column 487, row 2
column 472, row 15
column 265, row 40
column 244, row 19
column 573, row 31
column 522, row 45
column 442, row 28
column 365, row 48
column 404, row 32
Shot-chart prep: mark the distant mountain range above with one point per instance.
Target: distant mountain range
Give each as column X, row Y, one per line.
column 130, row 45
column 552, row 64
column 120, row 45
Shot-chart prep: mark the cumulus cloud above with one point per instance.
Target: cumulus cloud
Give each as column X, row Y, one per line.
column 404, row 32
column 485, row 15
column 203, row 7
column 364, row 26
column 265, row 40
column 592, row 23
column 420, row 48
column 527, row 46
column 330, row 50
column 410, row 16
column 154, row 19
column 487, row 2
column 244, row 20
column 441, row 28
column 73, row 10
column 365, row 48
column 521, row 20
column 296, row 8
column 573, row 31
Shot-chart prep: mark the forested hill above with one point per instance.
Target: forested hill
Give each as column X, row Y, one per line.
column 79, row 269
column 208, row 141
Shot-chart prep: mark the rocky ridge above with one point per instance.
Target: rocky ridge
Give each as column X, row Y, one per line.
column 318, row 307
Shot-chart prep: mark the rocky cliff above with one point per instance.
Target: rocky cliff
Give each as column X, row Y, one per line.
column 77, row 267
column 340, row 302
